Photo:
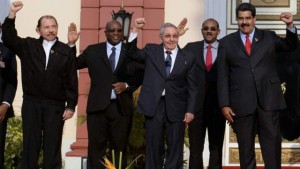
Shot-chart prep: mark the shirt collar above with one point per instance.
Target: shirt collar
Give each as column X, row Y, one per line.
column 118, row 46
column 215, row 44
column 45, row 42
column 174, row 51
column 251, row 35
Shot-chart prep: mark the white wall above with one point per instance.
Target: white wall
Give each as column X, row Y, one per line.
column 193, row 10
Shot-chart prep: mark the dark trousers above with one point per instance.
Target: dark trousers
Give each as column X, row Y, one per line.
column 214, row 122
column 42, row 126
column 266, row 125
column 157, row 127
column 105, row 127
column 3, row 127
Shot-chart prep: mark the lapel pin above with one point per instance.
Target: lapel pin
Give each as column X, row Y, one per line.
column 256, row 40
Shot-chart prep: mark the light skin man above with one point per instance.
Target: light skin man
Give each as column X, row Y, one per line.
column 50, row 88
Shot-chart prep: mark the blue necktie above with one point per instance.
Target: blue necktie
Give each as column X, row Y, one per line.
column 112, row 58
column 168, row 62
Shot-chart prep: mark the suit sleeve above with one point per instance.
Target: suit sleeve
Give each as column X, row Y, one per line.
column 81, row 61
column 192, row 86
column 135, row 53
column 223, row 78
column 10, row 37
column 10, row 78
column 135, row 71
column 71, row 83
column 290, row 42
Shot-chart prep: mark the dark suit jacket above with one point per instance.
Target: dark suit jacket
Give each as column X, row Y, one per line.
column 208, row 80
column 244, row 82
column 95, row 58
column 180, row 87
column 8, row 78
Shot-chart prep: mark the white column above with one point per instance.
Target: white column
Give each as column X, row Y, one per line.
column 216, row 9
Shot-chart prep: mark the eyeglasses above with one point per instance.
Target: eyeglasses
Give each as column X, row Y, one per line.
column 114, row 30
column 209, row 28
column 169, row 36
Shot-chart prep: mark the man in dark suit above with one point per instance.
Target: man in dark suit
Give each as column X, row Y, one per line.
column 167, row 98
column 8, row 87
column 50, row 88
column 211, row 118
column 110, row 105
column 249, row 90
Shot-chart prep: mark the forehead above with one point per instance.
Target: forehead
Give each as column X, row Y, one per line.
column 114, row 25
column 170, row 30
column 48, row 21
column 210, row 23
column 244, row 14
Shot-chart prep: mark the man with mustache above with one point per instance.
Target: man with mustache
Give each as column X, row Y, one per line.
column 210, row 117
column 50, row 88
column 249, row 91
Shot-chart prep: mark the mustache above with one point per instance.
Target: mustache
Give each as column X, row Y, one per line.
column 244, row 24
column 208, row 33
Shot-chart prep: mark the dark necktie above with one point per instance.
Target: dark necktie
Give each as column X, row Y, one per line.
column 168, row 62
column 112, row 58
column 248, row 44
column 208, row 58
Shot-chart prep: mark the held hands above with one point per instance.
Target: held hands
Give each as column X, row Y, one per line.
column 3, row 109
column 287, row 18
column 14, row 8
column 73, row 35
column 228, row 114
column 181, row 27
column 138, row 24
column 119, row 87
column 68, row 114
column 188, row 117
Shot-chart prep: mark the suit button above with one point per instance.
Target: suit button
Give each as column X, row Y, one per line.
column 252, row 70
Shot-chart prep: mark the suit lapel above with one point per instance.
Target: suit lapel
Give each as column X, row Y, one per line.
column 256, row 40
column 180, row 60
column 121, row 57
column 255, row 46
column 159, row 58
column 238, row 41
column 103, row 55
column 200, row 61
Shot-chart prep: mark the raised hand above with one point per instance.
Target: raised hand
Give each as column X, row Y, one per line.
column 138, row 24
column 287, row 18
column 73, row 35
column 14, row 8
column 181, row 27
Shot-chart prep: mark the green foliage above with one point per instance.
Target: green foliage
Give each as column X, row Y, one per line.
column 13, row 144
column 137, row 140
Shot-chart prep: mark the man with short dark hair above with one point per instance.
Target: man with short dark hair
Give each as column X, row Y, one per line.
column 249, row 91
column 50, row 88
column 209, row 117
column 114, row 77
